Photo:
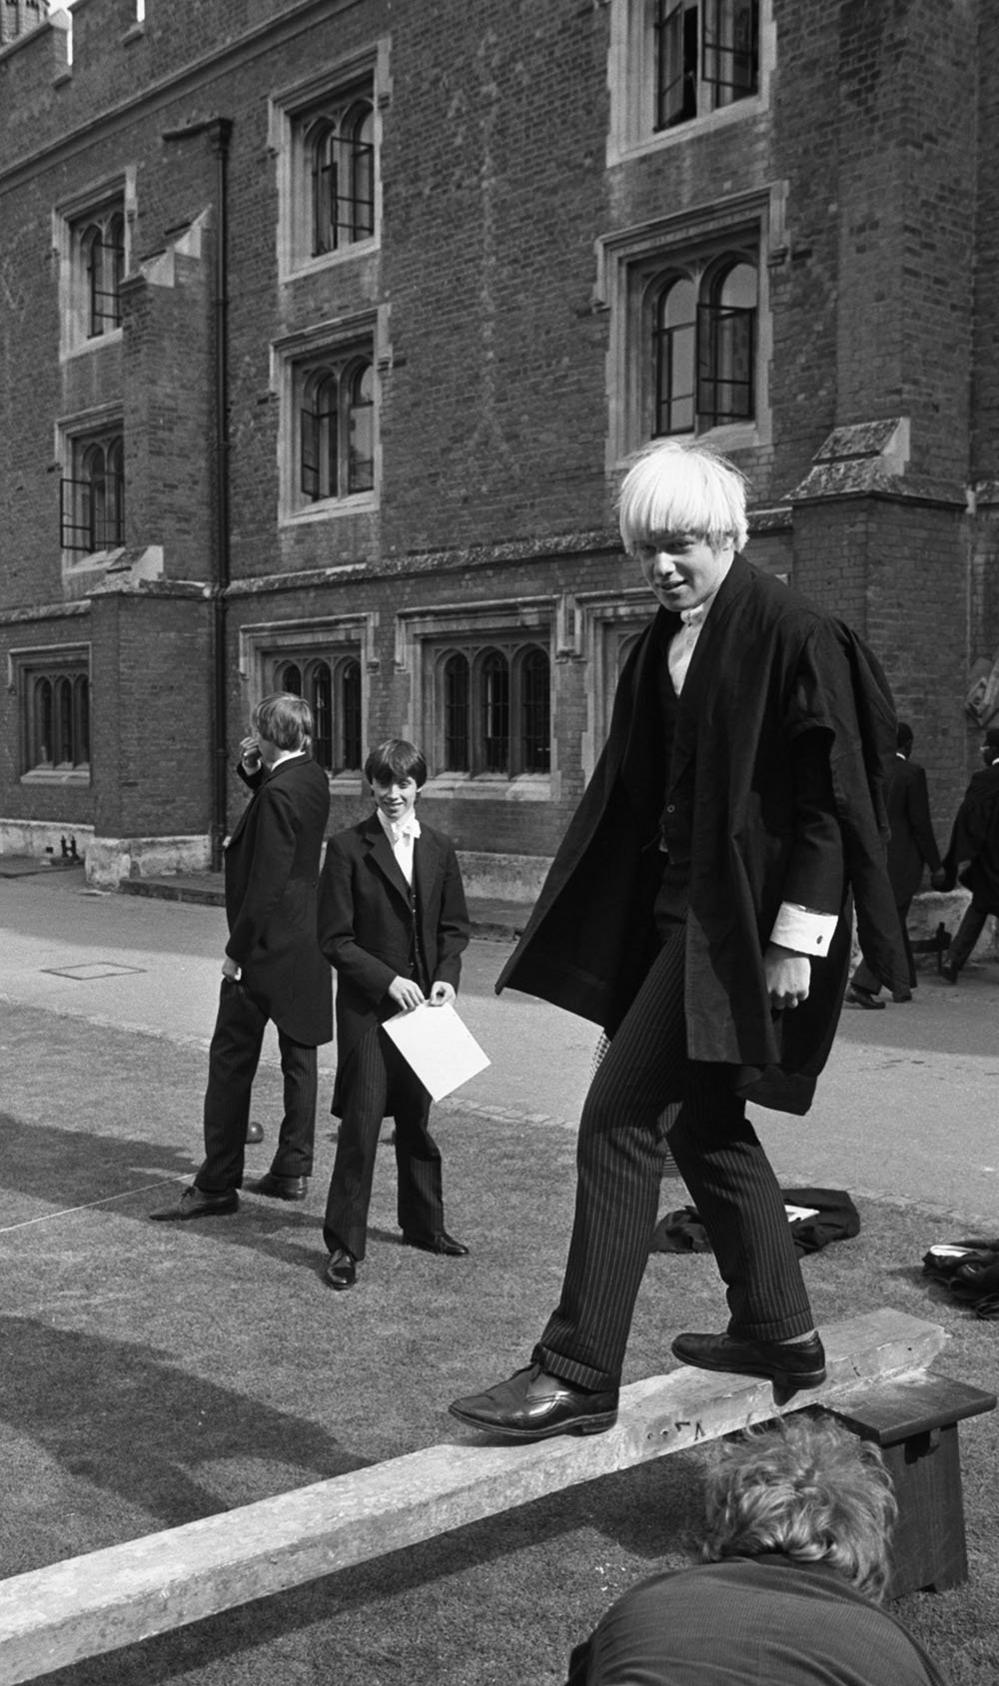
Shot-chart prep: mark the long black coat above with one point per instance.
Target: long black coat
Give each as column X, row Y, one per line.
column 271, row 878
column 975, row 839
column 367, row 923
column 911, row 845
column 766, row 669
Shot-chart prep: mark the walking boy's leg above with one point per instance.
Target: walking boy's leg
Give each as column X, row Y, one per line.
column 738, row 1199
column 771, row 1332
column 573, row 1382
column 965, row 938
column 619, row 1167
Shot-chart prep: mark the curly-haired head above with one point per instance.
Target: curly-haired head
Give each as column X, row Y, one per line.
column 807, row 1487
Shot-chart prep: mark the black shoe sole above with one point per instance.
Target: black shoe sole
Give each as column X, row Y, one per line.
column 785, row 1382
column 785, row 1386
column 800, row 1378
column 598, row 1423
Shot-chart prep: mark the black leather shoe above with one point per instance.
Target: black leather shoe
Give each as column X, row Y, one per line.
column 790, row 1365
column 341, row 1269
column 862, row 997
column 277, row 1187
column 900, row 996
column 195, row 1203
column 442, row 1242
column 533, row 1405
column 254, row 1132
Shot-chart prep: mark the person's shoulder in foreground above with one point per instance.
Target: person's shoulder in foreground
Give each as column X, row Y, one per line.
column 799, row 1517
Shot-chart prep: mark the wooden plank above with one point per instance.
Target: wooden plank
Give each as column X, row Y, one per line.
column 89, row 1605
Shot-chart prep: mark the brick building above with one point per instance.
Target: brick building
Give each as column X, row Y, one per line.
column 326, row 325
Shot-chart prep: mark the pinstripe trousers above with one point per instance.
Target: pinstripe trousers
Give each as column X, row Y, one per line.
column 619, row 1165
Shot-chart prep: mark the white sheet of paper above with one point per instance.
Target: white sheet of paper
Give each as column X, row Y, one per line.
column 440, row 1048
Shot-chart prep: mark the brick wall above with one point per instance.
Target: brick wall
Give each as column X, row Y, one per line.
column 494, row 417
column 151, row 767
column 985, row 361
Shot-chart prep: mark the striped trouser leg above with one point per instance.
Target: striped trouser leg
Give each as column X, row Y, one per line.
column 738, row 1199
column 619, row 1164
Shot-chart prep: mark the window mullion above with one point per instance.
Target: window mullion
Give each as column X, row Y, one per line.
column 337, row 476
column 309, row 452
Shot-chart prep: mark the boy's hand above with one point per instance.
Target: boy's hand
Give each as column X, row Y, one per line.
column 788, row 976
column 249, row 754
column 441, row 994
column 406, row 993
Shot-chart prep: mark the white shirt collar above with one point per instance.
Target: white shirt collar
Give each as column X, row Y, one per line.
column 693, row 617
column 405, row 833
column 681, row 647
column 286, row 755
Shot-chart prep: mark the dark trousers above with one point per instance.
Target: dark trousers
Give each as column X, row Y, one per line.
column 232, row 1065
column 968, row 932
column 864, row 978
column 619, row 1163
column 377, row 1083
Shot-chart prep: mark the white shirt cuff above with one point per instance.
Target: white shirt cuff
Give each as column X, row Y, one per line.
column 804, row 931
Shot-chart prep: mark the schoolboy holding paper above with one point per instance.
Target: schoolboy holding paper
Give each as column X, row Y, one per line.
column 393, row 924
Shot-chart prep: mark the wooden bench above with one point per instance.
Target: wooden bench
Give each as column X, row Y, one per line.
column 914, row 1421
column 90, row 1605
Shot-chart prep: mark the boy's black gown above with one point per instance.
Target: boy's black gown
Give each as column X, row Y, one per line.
column 761, row 784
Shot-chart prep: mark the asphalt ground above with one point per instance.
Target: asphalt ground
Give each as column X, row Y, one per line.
column 153, row 1374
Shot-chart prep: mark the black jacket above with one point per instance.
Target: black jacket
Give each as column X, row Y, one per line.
column 911, row 845
column 975, row 839
column 271, row 877
column 771, row 680
column 373, row 927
